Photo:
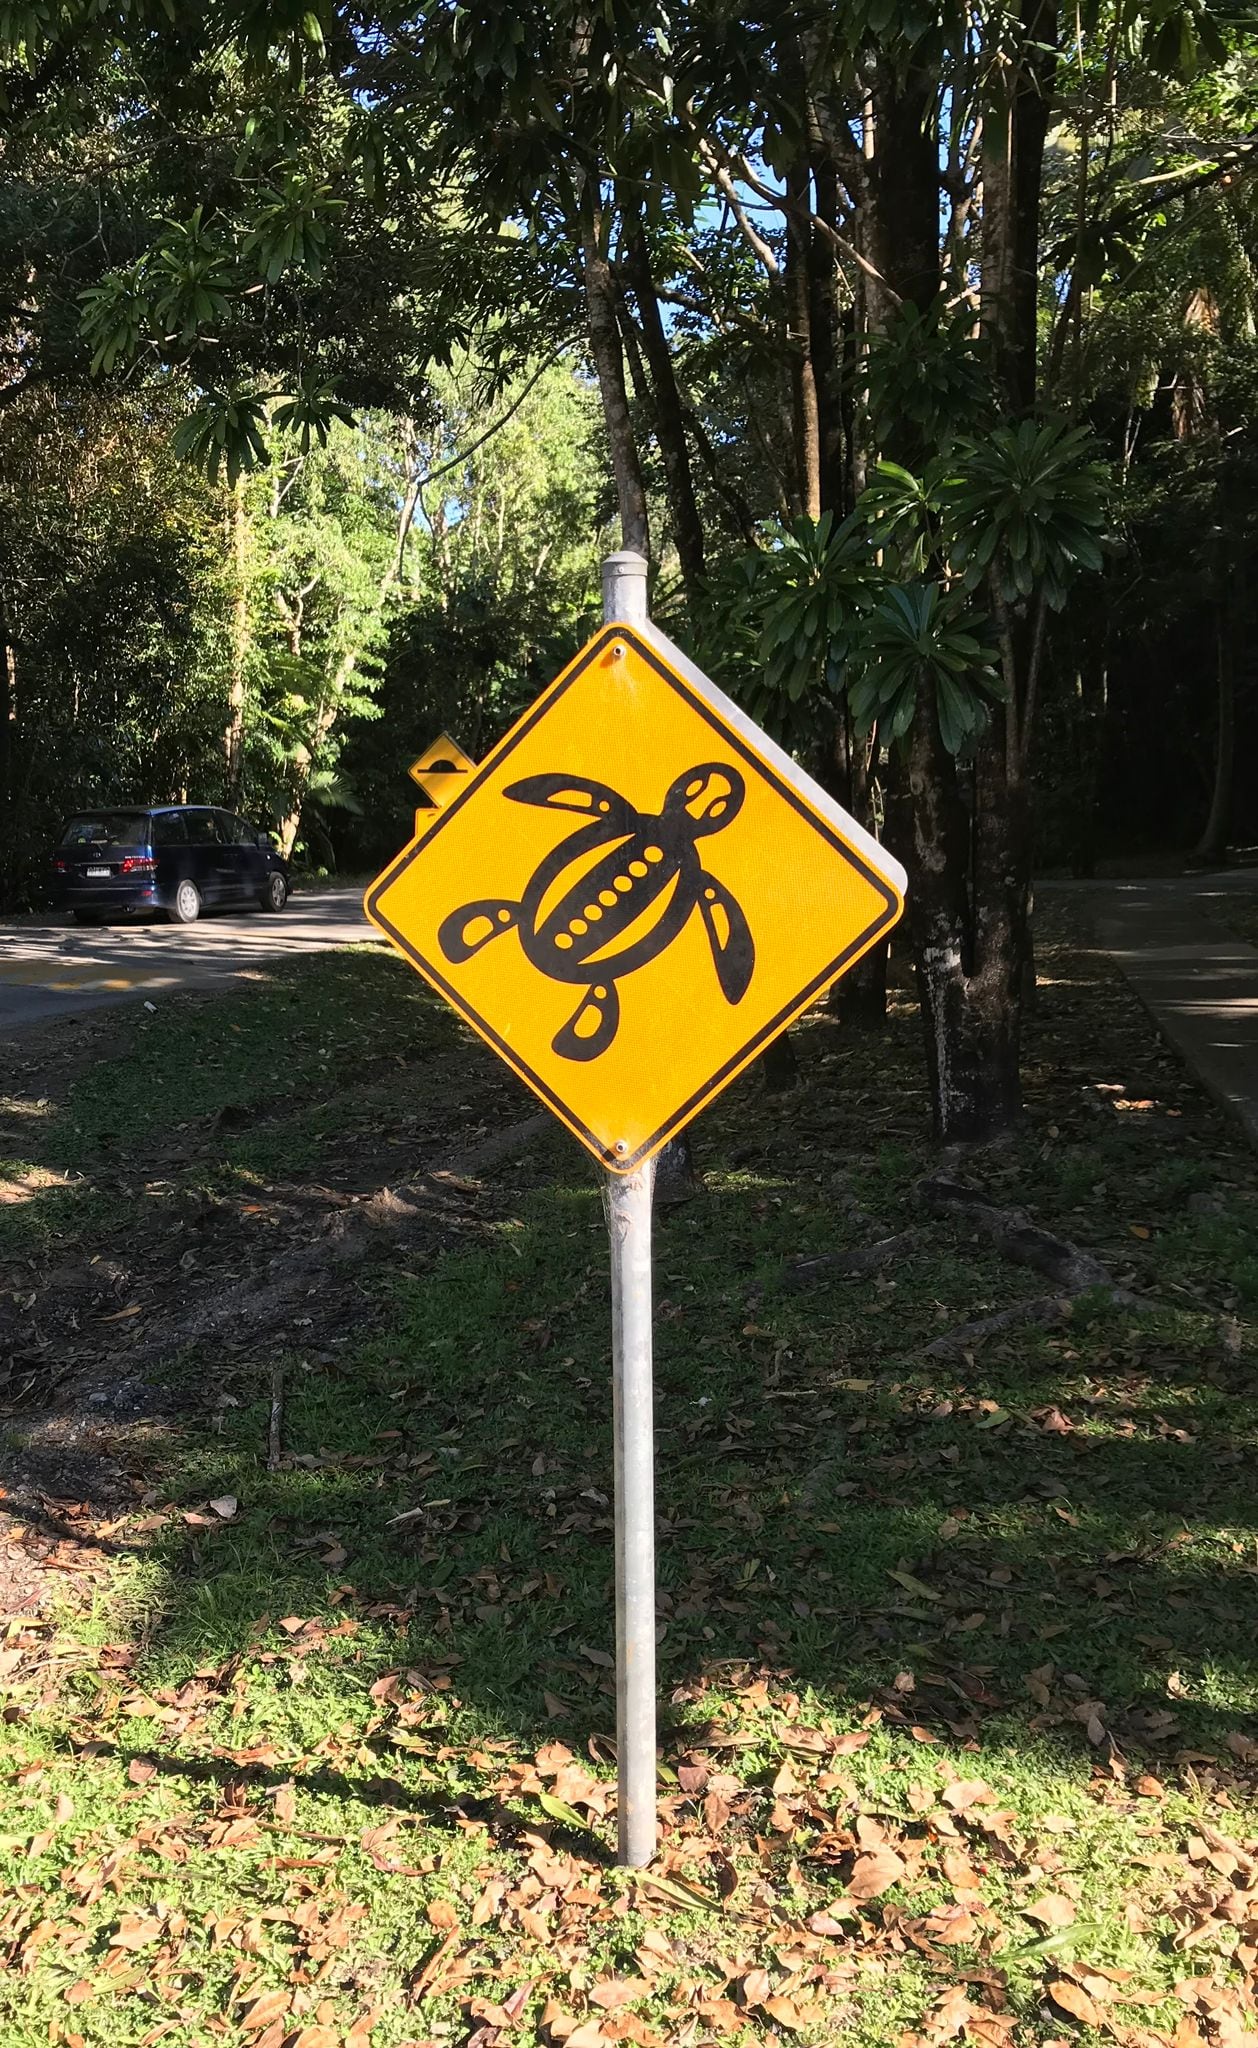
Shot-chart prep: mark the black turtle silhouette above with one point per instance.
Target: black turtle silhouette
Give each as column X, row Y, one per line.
column 593, row 920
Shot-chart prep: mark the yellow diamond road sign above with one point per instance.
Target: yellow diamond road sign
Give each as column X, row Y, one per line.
column 442, row 770
column 635, row 893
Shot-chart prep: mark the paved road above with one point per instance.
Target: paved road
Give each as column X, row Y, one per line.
column 50, row 968
column 1198, row 980
column 1169, row 936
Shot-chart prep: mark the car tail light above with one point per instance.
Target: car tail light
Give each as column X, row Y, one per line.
column 60, row 866
column 138, row 864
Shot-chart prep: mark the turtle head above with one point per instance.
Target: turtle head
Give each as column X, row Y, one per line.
column 710, row 796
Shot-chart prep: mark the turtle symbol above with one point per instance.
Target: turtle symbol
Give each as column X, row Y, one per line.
column 615, row 894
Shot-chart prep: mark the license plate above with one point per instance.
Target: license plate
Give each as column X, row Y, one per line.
column 99, row 874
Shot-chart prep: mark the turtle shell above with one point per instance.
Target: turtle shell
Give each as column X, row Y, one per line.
column 577, row 910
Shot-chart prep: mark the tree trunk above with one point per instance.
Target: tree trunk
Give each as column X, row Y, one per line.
column 670, row 426
column 1091, row 691
column 9, row 835
column 969, row 863
column 968, row 895
column 903, row 220
column 779, row 1067
column 805, row 416
column 234, row 736
column 1015, row 130
column 609, row 367
column 825, row 331
column 330, row 703
column 1213, row 842
column 1031, row 111
column 860, row 998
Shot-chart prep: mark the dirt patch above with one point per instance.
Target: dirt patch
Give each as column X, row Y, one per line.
column 153, row 1271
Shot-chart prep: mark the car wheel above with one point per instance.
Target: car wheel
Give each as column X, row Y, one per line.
column 275, row 894
column 88, row 916
column 186, row 907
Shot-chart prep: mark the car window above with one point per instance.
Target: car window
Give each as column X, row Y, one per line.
column 242, row 833
column 107, row 828
column 225, row 825
column 203, row 828
column 170, row 829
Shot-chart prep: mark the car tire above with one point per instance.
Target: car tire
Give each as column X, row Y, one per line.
column 88, row 916
column 185, row 906
column 275, row 894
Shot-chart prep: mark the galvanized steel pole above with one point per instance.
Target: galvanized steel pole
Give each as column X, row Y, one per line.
column 628, row 1198
column 629, row 1224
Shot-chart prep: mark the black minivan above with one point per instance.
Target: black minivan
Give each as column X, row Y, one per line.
column 173, row 857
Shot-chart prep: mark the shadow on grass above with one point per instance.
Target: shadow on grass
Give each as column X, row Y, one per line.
column 1048, row 1549
column 1052, row 1549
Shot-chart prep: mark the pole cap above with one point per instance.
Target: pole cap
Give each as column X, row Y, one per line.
column 624, row 586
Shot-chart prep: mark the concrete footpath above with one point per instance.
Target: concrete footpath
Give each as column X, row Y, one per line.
column 1198, row 981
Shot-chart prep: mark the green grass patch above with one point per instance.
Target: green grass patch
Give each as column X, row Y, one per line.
column 956, row 1659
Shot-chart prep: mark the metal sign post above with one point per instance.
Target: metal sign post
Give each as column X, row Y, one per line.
column 632, row 896
column 628, row 1203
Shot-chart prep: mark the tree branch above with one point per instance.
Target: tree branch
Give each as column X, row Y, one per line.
column 733, row 165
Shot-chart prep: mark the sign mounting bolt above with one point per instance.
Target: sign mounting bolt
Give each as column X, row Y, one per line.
column 620, row 1146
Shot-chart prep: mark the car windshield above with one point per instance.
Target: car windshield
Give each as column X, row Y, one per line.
column 107, row 829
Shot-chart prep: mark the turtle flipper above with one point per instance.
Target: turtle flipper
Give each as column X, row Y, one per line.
column 729, row 935
column 592, row 1025
column 459, row 936
column 574, row 793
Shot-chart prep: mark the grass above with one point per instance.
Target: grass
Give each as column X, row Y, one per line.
column 939, row 1643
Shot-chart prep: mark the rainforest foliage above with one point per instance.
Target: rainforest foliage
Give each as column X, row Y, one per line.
column 915, row 347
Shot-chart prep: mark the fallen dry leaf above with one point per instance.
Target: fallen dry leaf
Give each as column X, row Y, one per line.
column 951, row 2014
column 786, row 2013
column 588, row 2035
column 272, row 2005
column 613, row 1991
column 1072, row 1998
column 965, row 1793
column 875, row 1873
column 1054, row 1910
column 959, row 1870
column 137, row 1930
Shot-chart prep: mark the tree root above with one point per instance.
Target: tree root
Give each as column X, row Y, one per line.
column 346, row 1236
column 1045, row 1310
column 1011, row 1233
column 870, row 1258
